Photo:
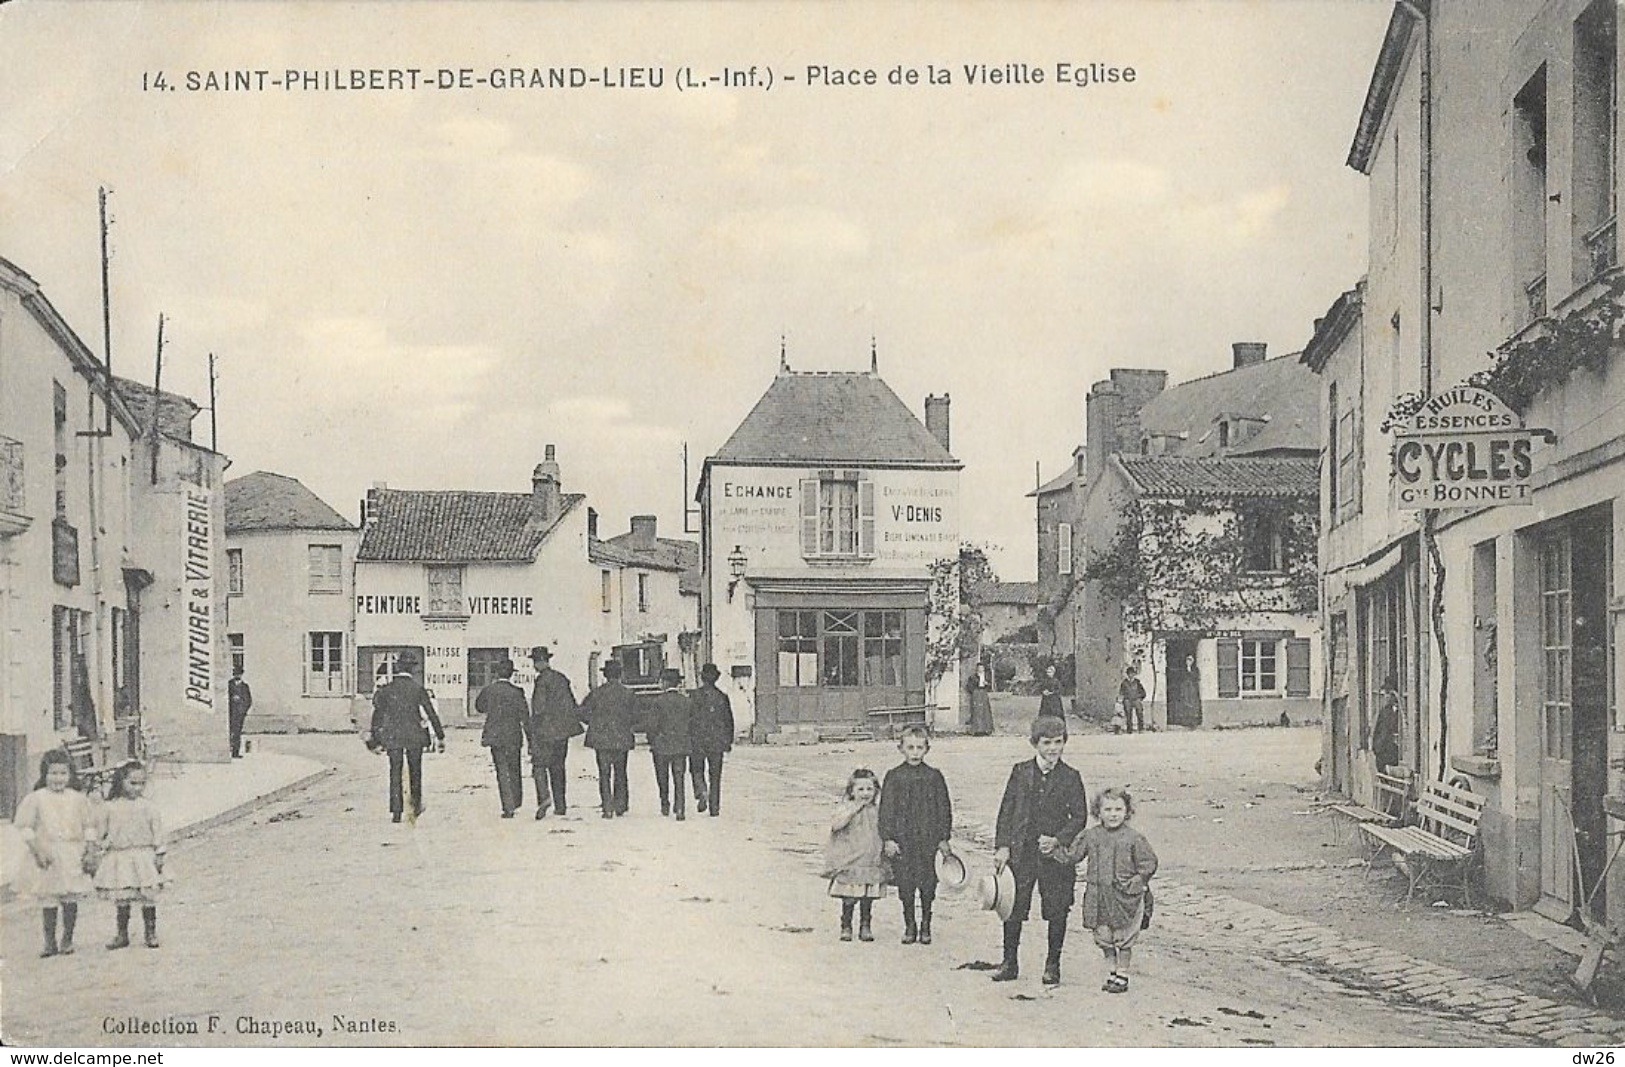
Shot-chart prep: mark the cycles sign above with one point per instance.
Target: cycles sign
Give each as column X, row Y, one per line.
column 1463, row 448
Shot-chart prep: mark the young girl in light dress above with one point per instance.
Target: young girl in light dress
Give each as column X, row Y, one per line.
column 56, row 823
column 853, row 859
column 1121, row 863
column 133, row 844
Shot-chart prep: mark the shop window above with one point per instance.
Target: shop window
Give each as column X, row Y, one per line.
column 375, row 665
column 1063, row 543
column 234, row 572
column 883, row 648
column 326, row 569
column 838, row 515
column 324, row 665
column 798, row 649
column 643, row 592
column 239, row 654
column 1262, row 550
column 445, row 590
column 840, row 648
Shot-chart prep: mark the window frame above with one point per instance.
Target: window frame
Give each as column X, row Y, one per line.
column 1250, row 662
column 322, row 582
column 332, row 654
column 234, row 571
column 441, row 604
column 830, row 524
column 1063, row 548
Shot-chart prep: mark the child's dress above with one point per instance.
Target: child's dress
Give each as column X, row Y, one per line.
column 132, row 839
column 854, row 860
column 1121, row 863
column 62, row 824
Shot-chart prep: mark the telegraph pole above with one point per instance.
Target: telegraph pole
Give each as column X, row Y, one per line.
column 157, row 384
column 214, row 420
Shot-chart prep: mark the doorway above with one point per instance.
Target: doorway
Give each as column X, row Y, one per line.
column 1183, row 684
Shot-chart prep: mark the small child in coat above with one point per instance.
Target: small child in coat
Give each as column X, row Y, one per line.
column 56, row 823
column 916, row 823
column 1117, row 899
column 133, row 844
column 854, row 860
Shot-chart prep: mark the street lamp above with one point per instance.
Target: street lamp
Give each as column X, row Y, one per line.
column 736, row 569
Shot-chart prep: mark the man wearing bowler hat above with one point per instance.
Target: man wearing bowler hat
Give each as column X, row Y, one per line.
column 554, row 719
column 711, row 733
column 610, row 712
column 402, row 716
column 506, row 724
column 670, row 718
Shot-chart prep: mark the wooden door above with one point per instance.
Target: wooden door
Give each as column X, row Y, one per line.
column 1556, row 731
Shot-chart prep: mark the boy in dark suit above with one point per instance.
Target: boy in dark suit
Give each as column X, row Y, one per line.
column 916, row 823
column 503, row 705
column 1044, row 805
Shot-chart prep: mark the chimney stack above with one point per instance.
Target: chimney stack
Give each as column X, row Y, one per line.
column 544, row 489
column 936, row 419
column 1248, row 353
column 369, row 504
column 643, row 531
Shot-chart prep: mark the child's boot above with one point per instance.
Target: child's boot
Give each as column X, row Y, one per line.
column 1052, row 963
column 911, row 932
column 122, row 939
column 149, row 921
column 864, row 933
column 925, row 919
column 846, row 919
column 1009, row 970
column 48, row 918
column 70, row 917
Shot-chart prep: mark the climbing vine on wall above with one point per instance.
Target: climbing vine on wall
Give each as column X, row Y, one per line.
column 954, row 624
column 1181, row 564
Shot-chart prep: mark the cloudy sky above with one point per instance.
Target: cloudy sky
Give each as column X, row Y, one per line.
column 426, row 287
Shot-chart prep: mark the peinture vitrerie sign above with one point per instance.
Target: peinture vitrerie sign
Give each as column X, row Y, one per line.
column 1462, row 448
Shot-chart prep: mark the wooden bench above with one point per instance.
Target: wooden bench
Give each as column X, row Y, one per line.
column 93, row 774
column 886, row 721
column 1438, row 847
column 1393, row 793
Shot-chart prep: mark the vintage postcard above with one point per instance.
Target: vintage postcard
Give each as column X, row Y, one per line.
column 800, row 524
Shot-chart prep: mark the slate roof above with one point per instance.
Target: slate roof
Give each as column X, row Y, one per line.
column 1181, row 476
column 175, row 412
column 1281, row 390
column 1054, row 485
column 1025, row 593
column 267, row 501
column 832, row 417
column 456, row 526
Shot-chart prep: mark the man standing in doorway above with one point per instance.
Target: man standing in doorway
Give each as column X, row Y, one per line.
column 610, row 712
column 239, row 698
column 402, row 716
column 553, row 721
column 711, row 734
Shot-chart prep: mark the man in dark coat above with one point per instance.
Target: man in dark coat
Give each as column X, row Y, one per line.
column 916, row 823
column 711, row 733
column 610, row 712
column 1132, row 694
column 554, row 719
column 239, row 698
column 1044, row 805
column 669, row 741
column 506, row 724
column 398, row 712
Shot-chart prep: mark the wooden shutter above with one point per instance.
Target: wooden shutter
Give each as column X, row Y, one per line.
column 364, row 666
column 1063, row 553
column 1297, row 667
column 809, row 516
column 866, row 517
column 1229, row 667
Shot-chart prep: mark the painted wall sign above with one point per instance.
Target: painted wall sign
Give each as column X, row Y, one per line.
column 1462, row 448
column 197, row 594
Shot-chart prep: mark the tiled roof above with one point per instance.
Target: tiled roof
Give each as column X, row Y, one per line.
column 175, row 412
column 1006, row 593
column 456, row 526
column 266, row 501
column 664, row 554
column 1282, row 391
column 1230, row 476
column 835, row 417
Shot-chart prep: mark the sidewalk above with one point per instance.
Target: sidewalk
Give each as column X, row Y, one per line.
column 196, row 796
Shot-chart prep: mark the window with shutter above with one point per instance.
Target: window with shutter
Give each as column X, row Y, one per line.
column 1297, row 667
column 1229, row 667
column 1063, row 553
column 809, row 516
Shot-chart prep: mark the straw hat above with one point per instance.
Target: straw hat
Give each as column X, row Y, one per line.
column 951, row 873
column 998, row 893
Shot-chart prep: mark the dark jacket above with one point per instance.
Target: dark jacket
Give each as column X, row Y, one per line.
column 239, row 697
column 1131, row 692
column 669, row 715
column 1049, row 700
column 397, row 714
column 712, row 728
column 553, row 713
column 914, row 806
column 503, row 705
column 610, row 712
column 1034, row 805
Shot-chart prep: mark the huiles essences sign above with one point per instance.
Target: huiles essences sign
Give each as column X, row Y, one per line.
column 1462, row 448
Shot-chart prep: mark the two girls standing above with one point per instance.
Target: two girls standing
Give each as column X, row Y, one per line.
column 68, row 841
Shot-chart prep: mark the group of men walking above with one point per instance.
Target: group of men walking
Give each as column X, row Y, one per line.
column 686, row 731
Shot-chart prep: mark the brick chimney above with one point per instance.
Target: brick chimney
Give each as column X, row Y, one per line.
column 544, row 489
column 1248, row 353
column 643, row 531
column 936, row 419
column 1112, row 413
column 369, row 504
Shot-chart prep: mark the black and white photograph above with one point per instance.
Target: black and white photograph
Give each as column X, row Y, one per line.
column 811, row 525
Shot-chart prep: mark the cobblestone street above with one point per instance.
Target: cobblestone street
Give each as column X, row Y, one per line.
column 465, row 929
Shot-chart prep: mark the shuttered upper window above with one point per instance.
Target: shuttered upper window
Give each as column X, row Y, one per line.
column 838, row 515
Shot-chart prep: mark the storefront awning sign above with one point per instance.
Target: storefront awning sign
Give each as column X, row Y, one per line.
column 1462, row 449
